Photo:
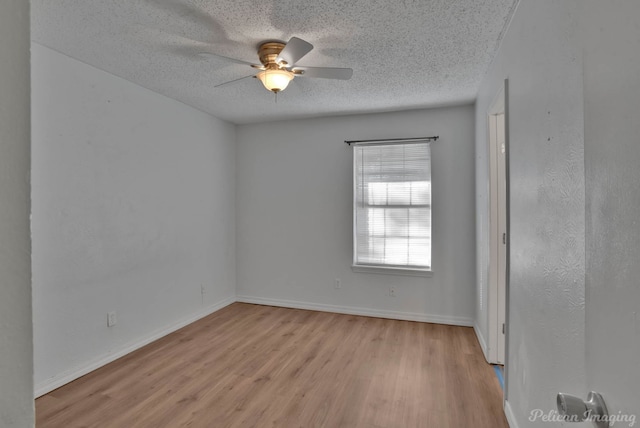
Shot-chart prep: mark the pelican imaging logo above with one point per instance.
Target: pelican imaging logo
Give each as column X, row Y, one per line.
column 554, row 416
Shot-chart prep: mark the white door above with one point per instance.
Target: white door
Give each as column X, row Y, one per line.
column 612, row 172
column 502, row 234
column 497, row 228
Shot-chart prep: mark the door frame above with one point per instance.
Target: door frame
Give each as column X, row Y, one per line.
column 495, row 304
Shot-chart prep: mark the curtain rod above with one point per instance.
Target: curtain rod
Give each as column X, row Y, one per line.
column 393, row 140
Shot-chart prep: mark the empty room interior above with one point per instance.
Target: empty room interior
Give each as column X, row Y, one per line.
column 281, row 213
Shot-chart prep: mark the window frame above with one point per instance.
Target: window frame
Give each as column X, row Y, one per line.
column 381, row 268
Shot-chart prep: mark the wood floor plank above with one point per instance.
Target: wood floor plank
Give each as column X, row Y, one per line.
column 261, row 366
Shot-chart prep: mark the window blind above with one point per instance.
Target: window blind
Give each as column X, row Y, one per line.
column 392, row 205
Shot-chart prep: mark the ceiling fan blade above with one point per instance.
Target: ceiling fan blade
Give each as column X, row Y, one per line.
column 294, row 50
column 233, row 81
column 239, row 61
column 324, row 72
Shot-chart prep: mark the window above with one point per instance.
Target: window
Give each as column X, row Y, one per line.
column 392, row 205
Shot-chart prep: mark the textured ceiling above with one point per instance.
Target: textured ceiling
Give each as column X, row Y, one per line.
column 404, row 53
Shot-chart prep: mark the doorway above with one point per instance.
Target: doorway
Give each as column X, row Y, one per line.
column 498, row 226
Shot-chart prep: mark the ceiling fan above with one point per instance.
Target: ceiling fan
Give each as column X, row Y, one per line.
column 278, row 65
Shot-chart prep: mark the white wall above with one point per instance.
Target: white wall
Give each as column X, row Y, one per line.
column 294, row 223
column 16, row 350
column 541, row 57
column 133, row 212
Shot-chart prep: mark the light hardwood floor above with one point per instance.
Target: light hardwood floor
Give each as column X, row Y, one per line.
column 262, row 366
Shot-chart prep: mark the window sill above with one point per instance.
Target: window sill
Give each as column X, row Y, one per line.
column 391, row 270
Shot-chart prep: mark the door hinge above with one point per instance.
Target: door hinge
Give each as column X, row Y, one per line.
column 504, row 238
column 502, row 328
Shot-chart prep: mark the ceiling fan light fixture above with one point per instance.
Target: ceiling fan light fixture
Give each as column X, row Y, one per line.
column 278, row 65
column 275, row 80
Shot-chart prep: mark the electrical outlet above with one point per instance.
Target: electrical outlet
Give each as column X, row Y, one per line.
column 202, row 290
column 111, row 319
column 338, row 283
column 392, row 291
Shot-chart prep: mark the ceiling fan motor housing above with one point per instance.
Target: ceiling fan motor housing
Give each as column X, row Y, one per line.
column 268, row 52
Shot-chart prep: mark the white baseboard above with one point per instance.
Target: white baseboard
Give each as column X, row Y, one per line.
column 354, row 310
column 509, row 415
column 483, row 343
column 73, row 374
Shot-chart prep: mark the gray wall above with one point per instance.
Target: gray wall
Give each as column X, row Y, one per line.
column 294, row 216
column 541, row 57
column 16, row 353
column 612, row 159
column 133, row 212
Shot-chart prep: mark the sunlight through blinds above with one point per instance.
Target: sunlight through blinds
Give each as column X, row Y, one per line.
column 392, row 205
